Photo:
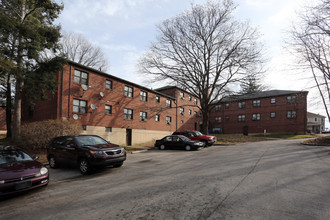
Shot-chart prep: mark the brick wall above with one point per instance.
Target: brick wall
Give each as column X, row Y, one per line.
column 278, row 124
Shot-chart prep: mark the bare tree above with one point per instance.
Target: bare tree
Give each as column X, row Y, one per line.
column 310, row 42
column 78, row 49
column 205, row 51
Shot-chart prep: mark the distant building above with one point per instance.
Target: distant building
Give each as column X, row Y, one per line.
column 315, row 123
column 274, row 111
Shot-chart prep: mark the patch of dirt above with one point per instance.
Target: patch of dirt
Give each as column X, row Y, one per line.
column 320, row 141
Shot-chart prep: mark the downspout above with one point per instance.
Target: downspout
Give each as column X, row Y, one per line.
column 69, row 95
column 61, row 96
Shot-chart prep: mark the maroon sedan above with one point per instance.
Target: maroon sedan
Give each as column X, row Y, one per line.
column 19, row 172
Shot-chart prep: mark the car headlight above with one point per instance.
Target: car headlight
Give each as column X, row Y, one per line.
column 97, row 152
column 43, row 171
column 2, row 181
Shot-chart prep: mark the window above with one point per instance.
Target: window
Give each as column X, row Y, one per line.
column 195, row 101
column 256, row 117
column 227, row 118
column 189, row 112
column 84, row 127
column 157, row 99
column 168, row 120
column 241, row 118
column 241, row 105
column 218, row 119
column 157, row 118
column 217, row 107
column 182, row 111
column 256, row 103
column 128, row 91
column 189, row 98
column 108, row 84
column 195, row 114
column 79, row 106
column 181, row 95
column 273, row 114
column 108, row 109
column 291, row 114
column 291, row 99
column 143, row 96
column 80, row 77
column 315, row 119
column 108, row 129
column 227, row 105
column 273, row 100
column 168, row 103
column 181, row 122
column 143, row 116
column 128, row 113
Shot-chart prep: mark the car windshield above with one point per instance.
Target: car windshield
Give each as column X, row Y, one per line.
column 197, row 133
column 90, row 140
column 13, row 156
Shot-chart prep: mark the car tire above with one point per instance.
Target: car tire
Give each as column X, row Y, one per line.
column 162, row 147
column 188, row 148
column 52, row 162
column 118, row 164
column 84, row 166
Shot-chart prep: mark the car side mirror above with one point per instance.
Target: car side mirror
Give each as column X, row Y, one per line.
column 35, row 157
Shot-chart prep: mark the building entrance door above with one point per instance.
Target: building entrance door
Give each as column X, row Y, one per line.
column 128, row 137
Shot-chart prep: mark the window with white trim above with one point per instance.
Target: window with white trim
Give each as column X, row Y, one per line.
column 79, row 106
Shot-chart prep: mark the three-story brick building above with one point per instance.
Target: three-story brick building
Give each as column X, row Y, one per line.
column 274, row 111
column 121, row 111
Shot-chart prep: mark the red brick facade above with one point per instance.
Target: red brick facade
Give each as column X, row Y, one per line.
column 3, row 126
column 106, row 107
column 275, row 111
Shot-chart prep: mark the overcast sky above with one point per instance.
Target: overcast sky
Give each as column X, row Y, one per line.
column 124, row 29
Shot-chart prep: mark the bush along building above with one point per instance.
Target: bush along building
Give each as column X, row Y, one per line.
column 274, row 111
column 118, row 110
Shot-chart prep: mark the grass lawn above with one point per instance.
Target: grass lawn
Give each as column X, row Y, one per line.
column 239, row 138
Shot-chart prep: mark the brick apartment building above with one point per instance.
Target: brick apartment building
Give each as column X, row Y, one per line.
column 274, row 111
column 118, row 110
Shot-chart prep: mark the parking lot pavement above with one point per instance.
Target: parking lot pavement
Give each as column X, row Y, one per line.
column 62, row 174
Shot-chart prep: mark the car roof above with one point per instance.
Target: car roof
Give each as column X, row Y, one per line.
column 186, row 131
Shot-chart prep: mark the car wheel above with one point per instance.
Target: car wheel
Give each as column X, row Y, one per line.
column 162, row 147
column 52, row 162
column 187, row 148
column 84, row 166
column 118, row 164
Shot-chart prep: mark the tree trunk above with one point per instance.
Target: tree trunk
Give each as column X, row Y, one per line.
column 18, row 111
column 8, row 106
column 205, row 127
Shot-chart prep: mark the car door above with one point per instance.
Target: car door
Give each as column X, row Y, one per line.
column 56, row 148
column 168, row 142
column 69, row 150
column 177, row 142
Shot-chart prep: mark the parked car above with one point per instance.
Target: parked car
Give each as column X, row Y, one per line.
column 179, row 142
column 86, row 151
column 19, row 171
column 198, row 136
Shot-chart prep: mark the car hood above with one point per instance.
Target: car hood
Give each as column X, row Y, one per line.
column 19, row 169
column 109, row 146
column 208, row 136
